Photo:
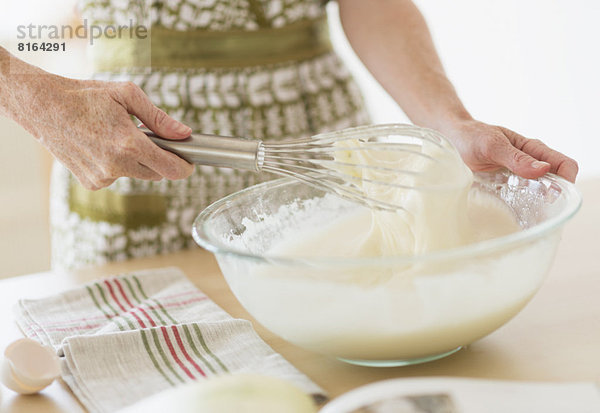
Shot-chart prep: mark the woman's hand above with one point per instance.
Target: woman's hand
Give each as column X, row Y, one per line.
column 486, row 147
column 87, row 125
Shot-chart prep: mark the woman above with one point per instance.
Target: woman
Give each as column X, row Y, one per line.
column 114, row 203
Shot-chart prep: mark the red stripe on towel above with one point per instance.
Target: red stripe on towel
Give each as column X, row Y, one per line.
column 114, row 297
column 184, row 351
column 174, row 354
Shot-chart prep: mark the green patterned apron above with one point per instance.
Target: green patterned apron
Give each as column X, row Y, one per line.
column 253, row 68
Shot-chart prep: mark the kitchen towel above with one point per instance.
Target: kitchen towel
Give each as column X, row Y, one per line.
column 127, row 337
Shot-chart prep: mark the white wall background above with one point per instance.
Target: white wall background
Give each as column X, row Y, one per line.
column 530, row 65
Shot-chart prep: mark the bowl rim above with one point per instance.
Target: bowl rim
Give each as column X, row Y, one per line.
column 200, row 234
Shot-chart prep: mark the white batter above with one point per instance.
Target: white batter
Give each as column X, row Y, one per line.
column 431, row 220
column 395, row 311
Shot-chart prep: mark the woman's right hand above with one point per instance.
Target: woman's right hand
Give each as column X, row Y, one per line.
column 87, row 126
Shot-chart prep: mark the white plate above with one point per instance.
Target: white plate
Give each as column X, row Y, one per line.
column 458, row 395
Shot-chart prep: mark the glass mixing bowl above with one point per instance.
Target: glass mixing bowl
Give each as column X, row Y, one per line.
column 382, row 311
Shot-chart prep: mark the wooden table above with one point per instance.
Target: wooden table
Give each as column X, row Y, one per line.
column 555, row 338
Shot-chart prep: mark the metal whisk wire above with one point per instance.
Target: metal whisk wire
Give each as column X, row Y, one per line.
column 320, row 161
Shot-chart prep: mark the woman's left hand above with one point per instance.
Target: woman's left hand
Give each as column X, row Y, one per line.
column 486, row 147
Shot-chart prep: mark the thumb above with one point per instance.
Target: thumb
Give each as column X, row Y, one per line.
column 137, row 103
column 519, row 162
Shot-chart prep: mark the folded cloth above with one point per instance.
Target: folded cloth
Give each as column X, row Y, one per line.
column 127, row 337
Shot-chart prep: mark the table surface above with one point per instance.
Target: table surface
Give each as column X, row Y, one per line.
column 555, row 338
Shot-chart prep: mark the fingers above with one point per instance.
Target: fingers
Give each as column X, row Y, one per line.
column 136, row 156
column 83, row 179
column 137, row 103
column 140, row 148
column 160, row 161
column 560, row 164
column 93, row 176
column 82, row 174
column 568, row 169
column 140, row 171
column 163, row 163
column 98, row 142
column 518, row 161
column 85, row 182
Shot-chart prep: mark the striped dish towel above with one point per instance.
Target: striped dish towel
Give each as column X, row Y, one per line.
column 127, row 337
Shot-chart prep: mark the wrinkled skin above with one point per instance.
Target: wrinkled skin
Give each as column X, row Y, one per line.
column 91, row 133
column 87, row 126
column 486, row 147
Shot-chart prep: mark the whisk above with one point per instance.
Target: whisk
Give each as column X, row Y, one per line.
column 325, row 161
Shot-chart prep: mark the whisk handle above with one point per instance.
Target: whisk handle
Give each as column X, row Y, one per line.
column 214, row 150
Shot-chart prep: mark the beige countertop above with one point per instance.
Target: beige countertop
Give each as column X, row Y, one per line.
column 555, row 338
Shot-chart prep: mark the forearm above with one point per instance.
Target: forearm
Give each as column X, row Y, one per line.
column 28, row 93
column 16, row 88
column 393, row 41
